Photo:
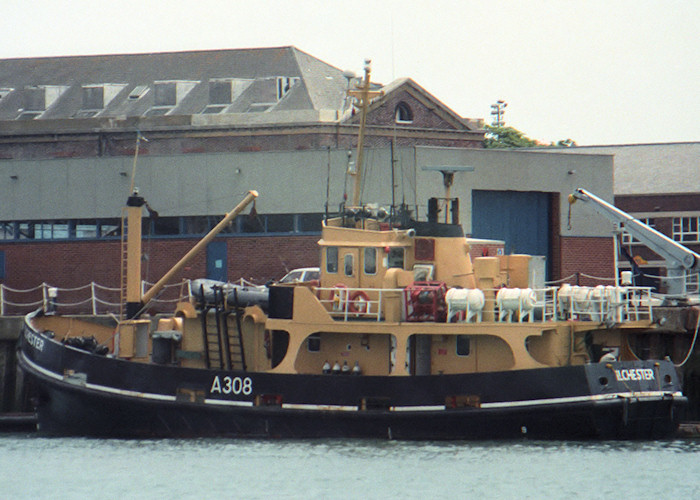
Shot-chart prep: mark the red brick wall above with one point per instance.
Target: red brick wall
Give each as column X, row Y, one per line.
column 423, row 117
column 588, row 255
column 75, row 264
column 658, row 203
column 69, row 265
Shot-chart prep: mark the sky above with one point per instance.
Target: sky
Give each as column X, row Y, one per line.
column 595, row 71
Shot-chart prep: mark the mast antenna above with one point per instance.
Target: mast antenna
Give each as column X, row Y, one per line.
column 139, row 138
column 363, row 95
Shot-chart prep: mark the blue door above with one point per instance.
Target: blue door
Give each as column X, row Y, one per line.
column 521, row 219
column 216, row 260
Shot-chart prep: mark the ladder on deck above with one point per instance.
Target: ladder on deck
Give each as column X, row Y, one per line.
column 123, row 265
column 223, row 349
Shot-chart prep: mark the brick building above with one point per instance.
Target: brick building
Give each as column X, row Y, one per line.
column 657, row 184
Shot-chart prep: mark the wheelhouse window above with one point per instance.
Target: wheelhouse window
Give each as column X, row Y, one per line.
column 463, row 347
column 348, row 264
column 332, row 259
column 395, row 258
column 370, row 261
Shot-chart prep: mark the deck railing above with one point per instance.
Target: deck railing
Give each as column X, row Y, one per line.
column 92, row 298
column 601, row 304
column 356, row 303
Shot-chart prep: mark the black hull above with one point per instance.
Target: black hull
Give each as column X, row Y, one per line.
column 69, row 412
column 89, row 395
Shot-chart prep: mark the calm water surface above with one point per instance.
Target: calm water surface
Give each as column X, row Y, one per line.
column 34, row 467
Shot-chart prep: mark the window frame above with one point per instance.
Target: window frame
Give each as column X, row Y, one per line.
column 334, row 261
column 366, row 252
column 463, row 338
column 683, row 234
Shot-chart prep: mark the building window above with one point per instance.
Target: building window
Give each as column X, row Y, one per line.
column 628, row 239
column 219, row 97
column 284, row 85
column 166, row 94
column 110, row 227
column 370, row 261
column 165, row 225
column 161, row 226
column 403, row 113
column 51, row 230
column 93, row 97
column 348, row 264
column 309, row 222
column 220, row 92
column 463, row 347
column 685, row 229
column 395, row 258
column 85, row 229
column 332, row 259
column 34, row 99
column 2, row 264
column 280, row 223
column 7, row 231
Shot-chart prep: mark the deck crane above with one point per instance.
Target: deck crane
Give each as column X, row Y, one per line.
column 679, row 260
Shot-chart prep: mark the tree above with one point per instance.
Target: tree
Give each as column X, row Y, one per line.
column 506, row 137
column 509, row 137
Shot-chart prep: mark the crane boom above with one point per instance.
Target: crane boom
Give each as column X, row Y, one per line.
column 678, row 258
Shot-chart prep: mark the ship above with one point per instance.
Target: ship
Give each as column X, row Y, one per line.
column 404, row 336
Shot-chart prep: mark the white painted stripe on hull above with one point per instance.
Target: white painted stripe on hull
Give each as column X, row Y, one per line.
column 300, row 406
column 227, row 402
column 583, row 399
column 642, row 395
column 98, row 387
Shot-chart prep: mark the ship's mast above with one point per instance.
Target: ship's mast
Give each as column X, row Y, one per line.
column 363, row 95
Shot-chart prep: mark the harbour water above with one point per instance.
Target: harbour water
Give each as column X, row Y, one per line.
column 32, row 467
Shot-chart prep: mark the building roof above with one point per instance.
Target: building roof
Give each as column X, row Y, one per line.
column 173, row 83
column 662, row 168
column 213, row 88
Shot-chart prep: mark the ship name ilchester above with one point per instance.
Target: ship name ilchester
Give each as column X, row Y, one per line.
column 34, row 341
column 634, row 374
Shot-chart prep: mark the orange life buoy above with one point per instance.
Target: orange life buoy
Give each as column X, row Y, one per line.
column 359, row 303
